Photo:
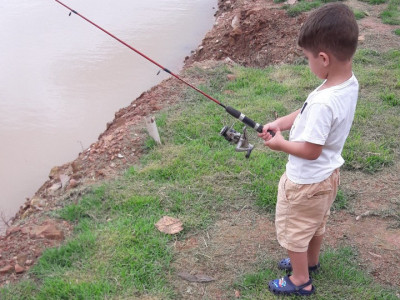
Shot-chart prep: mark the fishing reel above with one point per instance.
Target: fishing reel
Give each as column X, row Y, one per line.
column 240, row 139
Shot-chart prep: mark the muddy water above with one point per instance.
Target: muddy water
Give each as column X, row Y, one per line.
column 62, row 79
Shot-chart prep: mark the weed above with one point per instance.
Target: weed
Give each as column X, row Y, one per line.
column 359, row 14
column 391, row 15
column 339, row 269
column 390, row 98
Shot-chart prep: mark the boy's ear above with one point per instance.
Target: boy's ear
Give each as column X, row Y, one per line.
column 325, row 58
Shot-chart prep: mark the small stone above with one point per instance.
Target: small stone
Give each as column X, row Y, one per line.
column 73, row 183
column 29, row 262
column 48, row 231
column 19, row 269
column 36, row 201
column 55, row 187
column 6, row 269
column 64, row 179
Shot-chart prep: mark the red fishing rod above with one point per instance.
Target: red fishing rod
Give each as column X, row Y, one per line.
column 233, row 112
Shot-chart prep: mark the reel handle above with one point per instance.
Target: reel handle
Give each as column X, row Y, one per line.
column 249, row 122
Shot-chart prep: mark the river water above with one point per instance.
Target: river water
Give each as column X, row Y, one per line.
column 62, row 79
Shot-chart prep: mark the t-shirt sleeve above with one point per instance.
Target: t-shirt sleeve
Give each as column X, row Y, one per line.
column 318, row 124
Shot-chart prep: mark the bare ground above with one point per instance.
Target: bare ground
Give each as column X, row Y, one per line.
column 252, row 33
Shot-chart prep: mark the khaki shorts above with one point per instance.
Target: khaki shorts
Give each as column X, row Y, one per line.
column 302, row 210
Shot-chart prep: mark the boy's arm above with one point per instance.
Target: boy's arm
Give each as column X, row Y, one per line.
column 304, row 150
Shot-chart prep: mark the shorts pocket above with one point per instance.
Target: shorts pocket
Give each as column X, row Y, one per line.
column 319, row 189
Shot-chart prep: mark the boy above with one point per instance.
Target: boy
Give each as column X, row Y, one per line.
column 318, row 132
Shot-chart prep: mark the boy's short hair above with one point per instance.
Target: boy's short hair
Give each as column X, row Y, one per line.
column 333, row 29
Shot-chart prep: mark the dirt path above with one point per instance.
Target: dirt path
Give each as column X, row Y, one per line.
column 253, row 33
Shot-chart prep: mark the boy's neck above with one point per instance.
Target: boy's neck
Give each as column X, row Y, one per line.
column 337, row 73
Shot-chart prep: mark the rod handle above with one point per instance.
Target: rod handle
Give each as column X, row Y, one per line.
column 249, row 122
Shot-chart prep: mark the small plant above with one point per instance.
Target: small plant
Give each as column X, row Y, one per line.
column 359, row 14
column 390, row 98
column 397, row 31
column 391, row 15
column 340, row 201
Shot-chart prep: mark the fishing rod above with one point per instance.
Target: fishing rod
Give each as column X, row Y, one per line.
column 228, row 132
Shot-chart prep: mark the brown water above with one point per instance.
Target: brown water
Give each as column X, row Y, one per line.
column 62, row 79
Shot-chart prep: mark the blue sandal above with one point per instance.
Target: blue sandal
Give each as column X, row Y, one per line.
column 284, row 286
column 285, row 264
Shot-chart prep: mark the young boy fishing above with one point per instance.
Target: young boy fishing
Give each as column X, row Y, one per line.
column 318, row 132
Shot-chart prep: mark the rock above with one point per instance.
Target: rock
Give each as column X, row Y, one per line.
column 29, row 262
column 231, row 77
column 195, row 278
column 6, row 269
column 55, row 187
column 19, row 269
column 38, row 202
column 73, row 183
column 235, row 22
column 64, row 179
column 76, row 166
column 11, row 230
column 54, row 172
column 48, row 231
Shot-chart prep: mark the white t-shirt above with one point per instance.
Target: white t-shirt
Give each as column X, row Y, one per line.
column 325, row 119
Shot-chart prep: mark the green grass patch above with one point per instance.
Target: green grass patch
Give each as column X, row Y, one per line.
column 397, row 31
column 391, row 15
column 374, row 2
column 304, row 6
column 340, row 278
column 359, row 14
column 301, row 6
column 116, row 252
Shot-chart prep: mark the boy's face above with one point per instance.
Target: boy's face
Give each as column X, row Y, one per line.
column 317, row 63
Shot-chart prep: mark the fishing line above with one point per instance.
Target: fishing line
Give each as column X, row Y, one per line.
column 233, row 112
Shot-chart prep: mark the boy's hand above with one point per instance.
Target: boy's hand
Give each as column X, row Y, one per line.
column 265, row 135
column 276, row 142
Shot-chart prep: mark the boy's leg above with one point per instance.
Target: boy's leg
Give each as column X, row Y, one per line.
column 314, row 248
column 300, row 269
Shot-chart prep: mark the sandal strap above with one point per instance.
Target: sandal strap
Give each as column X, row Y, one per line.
column 300, row 287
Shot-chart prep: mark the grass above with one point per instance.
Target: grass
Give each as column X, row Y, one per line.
column 116, row 252
column 397, row 31
column 340, row 278
column 359, row 14
column 375, row 2
column 303, row 6
column 391, row 15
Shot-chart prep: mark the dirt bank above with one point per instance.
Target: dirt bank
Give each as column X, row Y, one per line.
column 253, row 33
